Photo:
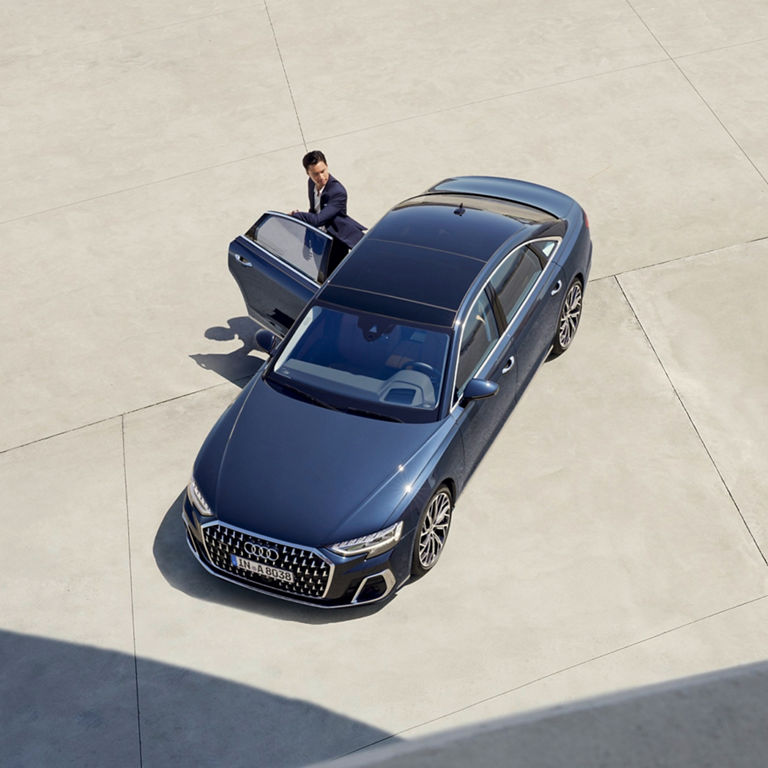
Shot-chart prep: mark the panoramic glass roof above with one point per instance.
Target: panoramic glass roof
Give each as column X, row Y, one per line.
column 426, row 251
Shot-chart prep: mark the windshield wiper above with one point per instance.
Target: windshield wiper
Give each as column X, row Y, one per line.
column 372, row 414
column 304, row 395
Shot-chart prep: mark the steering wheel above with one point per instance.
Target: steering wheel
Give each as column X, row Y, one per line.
column 421, row 367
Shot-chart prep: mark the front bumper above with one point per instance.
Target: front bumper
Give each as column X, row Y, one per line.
column 319, row 576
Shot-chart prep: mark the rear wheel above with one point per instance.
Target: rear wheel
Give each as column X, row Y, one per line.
column 568, row 320
column 432, row 531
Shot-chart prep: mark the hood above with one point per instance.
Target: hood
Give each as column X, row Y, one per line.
column 308, row 475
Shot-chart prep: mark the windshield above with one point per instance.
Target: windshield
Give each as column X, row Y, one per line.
column 365, row 364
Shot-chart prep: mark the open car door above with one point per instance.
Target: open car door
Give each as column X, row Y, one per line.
column 279, row 264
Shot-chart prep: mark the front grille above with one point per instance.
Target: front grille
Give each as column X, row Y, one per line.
column 311, row 572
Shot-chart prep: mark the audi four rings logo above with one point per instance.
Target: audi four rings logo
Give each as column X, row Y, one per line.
column 265, row 553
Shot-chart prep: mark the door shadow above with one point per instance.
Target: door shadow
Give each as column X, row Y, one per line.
column 240, row 365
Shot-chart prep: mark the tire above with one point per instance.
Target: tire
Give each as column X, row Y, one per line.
column 432, row 531
column 569, row 317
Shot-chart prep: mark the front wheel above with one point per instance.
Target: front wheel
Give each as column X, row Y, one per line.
column 570, row 314
column 432, row 531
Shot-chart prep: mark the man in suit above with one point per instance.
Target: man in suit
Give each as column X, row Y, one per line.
column 328, row 208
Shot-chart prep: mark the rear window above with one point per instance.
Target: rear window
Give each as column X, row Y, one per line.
column 515, row 210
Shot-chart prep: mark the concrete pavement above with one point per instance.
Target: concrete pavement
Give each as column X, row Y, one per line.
column 611, row 548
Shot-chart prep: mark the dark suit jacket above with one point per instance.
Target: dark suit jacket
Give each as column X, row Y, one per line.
column 333, row 213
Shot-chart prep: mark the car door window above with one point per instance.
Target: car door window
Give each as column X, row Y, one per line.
column 290, row 240
column 514, row 279
column 478, row 339
column 545, row 247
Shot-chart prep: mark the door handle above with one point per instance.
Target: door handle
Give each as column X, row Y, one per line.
column 508, row 367
column 557, row 288
column 242, row 260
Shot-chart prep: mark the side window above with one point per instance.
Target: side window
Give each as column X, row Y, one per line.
column 290, row 240
column 516, row 276
column 479, row 337
column 546, row 247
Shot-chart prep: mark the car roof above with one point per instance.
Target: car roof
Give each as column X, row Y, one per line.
column 420, row 260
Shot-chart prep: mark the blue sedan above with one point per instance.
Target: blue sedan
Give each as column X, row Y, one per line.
column 332, row 478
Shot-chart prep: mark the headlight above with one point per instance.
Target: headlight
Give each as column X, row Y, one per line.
column 370, row 545
column 197, row 498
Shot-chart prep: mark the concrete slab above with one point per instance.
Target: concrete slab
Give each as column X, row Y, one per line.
column 706, row 335
column 66, row 703
column 731, row 81
column 691, row 26
column 66, row 589
column 42, row 27
column 412, row 60
column 717, row 643
column 125, row 300
column 65, row 544
column 152, row 103
column 707, row 721
column 623, row 510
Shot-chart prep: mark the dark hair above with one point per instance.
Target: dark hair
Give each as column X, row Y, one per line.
column 313, row 158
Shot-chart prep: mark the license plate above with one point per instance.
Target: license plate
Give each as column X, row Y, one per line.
column 267, row 571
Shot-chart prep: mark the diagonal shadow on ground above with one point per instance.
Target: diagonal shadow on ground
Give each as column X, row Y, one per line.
column 66, row 704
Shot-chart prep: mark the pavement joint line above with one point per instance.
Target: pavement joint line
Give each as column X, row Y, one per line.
column 664, row 262
column 146, row 185
column 741, row 44
column 244, row 380
column 363, row 129
column 415, row 116
column 561, row 671
column 285, row 74
column 331, row 137
column 691, row 420
column 26, row 56
column 117, row 416
column 193, row 19
column 497, row 97
column 717, row 117
column 130, row 581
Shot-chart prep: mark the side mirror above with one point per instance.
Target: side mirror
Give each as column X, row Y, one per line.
column 477, row 389
column 266, row 340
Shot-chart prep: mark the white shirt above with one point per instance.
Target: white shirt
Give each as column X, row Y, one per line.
column 318, row 193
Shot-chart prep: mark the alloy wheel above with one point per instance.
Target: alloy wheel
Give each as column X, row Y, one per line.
column 434, row 529
column 570, row 315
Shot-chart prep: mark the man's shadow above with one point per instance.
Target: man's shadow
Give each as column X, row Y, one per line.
column 237, row 366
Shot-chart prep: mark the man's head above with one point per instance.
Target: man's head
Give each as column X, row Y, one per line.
column 316, row 167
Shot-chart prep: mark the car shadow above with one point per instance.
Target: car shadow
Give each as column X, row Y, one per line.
column 182, row 571
column 240, row 365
